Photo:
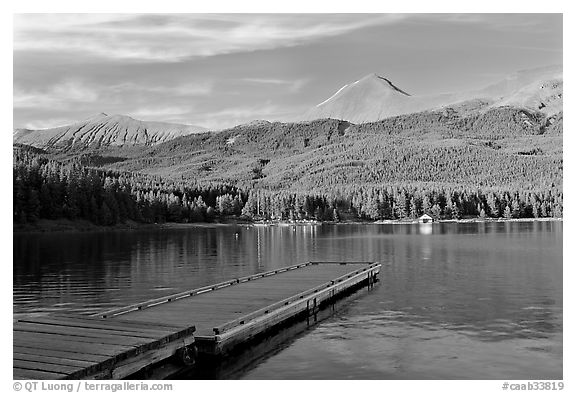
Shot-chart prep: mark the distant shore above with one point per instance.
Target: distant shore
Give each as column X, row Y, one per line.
column 467, row 220
column 64, row 225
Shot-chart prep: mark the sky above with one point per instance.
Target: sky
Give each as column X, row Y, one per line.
column 221, row 70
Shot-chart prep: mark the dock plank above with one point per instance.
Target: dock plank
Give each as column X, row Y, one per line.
column 97, row 323
column 115, row 323
column 80, row 331
column 52, row 359
column 119, row 342
column 72, row 346
column 47, row 367
column 59, row 353
column 126, row 341
column 22, row 373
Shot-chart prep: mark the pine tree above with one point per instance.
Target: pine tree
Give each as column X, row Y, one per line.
column 33, row 206
column 482, row 213
column 335, row 215
column 455, row 211
column 507, row 212
column 426, row 205
column 536, row 209
column 93, row 212
column 250, row 207
column 210, row 213
column 492, row 205
column 105, row 216
column 370, row 208
column 448, row 210
column 224, row 204
column 435, row 211
column 413, row 208
column 557, row 211
column 400, row 206
column 515, row 209
column 237, row 206
column 318, row 213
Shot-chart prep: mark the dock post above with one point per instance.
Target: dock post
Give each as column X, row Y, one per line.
column 311, row 309
column 370, row 280
column 188, row 355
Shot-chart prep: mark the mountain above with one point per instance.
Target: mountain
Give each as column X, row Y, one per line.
column 374, row 97
column 104, row 130
column 508, row 134
column 371, row 98
column 538, row 89
column 501, row 147
column 496, row 151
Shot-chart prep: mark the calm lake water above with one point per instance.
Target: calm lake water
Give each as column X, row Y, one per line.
column 454, row 301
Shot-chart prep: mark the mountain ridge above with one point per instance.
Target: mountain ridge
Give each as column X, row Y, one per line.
column 323, row 153
column 367, row 100
column 370, row 99
column 103, row 130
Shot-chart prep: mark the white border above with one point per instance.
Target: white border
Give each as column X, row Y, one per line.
column 297, row 6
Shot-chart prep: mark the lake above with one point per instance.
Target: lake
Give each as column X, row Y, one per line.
column 454, row 301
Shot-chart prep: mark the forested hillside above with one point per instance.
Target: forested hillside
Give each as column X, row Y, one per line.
column 503, row 147
column 457, row 162
column 48, row 189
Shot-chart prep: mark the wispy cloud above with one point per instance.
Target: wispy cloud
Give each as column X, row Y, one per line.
column 232, row 116
column 58, row 96
column 498, row 22
column 291, row 85
column 172, row 38
column 68, row 93
column 160, row 112
column 184, row 89
column 219, row 70
column 49, row 123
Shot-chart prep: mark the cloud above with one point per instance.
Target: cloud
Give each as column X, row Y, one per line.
column 493, row 21
column 184, row 90
column 69, row 93
column 59, row 96
column 49, row 123
column 173, row 38
column 291, row 85
column 160, row 112
column 233, row 116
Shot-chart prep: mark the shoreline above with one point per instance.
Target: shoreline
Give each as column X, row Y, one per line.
column 469, row 220
column 83, row 226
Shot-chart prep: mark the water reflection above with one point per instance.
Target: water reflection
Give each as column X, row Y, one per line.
column 450, row 294
column 426, row 228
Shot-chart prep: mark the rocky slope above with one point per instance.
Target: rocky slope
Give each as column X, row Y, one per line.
column 104, row 131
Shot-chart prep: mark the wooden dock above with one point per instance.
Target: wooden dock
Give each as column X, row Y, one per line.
column 81, row 347
column 212, row 320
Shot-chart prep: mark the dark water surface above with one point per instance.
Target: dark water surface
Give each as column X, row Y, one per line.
column 455, row 301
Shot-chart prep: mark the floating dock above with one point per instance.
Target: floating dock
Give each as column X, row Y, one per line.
column 81, row 347
column 212, row 320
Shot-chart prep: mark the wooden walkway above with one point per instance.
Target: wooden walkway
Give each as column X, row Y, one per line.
column 81, row 347
column 237, row 310
column 215, row 319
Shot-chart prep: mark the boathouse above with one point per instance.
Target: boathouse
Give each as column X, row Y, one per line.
column 425, row 219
